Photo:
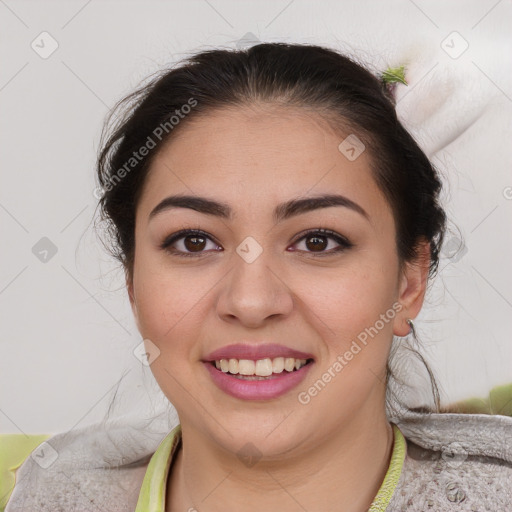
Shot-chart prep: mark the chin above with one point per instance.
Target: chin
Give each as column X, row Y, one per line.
column 269, row 436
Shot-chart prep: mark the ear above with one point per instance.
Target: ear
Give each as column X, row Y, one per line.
column 412, row 288
column 131, row 296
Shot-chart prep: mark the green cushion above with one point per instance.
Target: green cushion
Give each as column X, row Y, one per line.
column 14, row 449
column 499, row 402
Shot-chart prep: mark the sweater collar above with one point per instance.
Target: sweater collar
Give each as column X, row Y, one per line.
column 153, row 490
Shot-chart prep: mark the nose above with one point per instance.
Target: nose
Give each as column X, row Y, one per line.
column 254, row 292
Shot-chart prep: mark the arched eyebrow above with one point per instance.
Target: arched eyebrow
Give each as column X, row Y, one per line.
column 282, row 211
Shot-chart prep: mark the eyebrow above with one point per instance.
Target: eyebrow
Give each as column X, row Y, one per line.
column 282, row 211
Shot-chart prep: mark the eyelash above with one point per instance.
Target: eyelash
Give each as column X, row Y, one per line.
column 325, row 233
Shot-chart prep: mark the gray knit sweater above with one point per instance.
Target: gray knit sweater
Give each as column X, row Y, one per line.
column 454, row 462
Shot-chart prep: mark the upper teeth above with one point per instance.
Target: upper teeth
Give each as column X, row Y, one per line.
column 261, row 367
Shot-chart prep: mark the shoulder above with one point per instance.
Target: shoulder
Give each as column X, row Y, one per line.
column 457, row 462
column 89, row 469
column 60, row 489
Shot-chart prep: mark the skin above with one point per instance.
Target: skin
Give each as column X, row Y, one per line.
column 332, row 453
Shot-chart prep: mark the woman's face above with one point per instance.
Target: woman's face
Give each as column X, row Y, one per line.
column 255, row 277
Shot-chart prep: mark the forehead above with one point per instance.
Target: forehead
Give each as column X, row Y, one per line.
column 266, row 131
column 249, row 155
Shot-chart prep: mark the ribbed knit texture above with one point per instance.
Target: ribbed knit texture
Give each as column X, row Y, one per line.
column 454, row 462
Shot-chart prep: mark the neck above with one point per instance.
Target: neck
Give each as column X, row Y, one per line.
column 343, row 472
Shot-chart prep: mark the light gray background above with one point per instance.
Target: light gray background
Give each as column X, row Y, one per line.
column 67, row 332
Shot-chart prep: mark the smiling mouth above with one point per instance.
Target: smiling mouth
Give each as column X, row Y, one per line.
column 261, row 369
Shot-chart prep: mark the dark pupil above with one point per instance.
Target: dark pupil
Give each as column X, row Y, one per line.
column 195, row 245
column 319, row 242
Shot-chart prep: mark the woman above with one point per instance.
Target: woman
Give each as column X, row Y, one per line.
column 278, row 227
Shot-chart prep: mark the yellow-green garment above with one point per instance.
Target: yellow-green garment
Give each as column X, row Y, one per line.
column 153, row 490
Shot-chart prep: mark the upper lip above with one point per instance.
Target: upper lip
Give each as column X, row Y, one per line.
column 255, row 352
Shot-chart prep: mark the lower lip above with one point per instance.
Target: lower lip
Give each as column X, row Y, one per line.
column 267, row 389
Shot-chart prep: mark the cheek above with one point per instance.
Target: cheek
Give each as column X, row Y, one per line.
column 171, row 313
column 348, row 302
column 354, row 313
column 169, row 303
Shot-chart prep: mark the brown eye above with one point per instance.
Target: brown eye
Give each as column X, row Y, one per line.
column 194, row 243
column 319, row 240
column 316, row 243
column 187, row 243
